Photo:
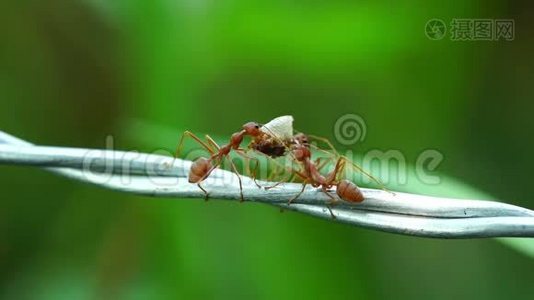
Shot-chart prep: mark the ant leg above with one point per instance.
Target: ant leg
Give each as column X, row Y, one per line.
column 212, row 142
column 354, row 165
column 277, row 172
column 279, row 182
column 277, row 165
column 204, row 178
column 241, row 152
column 188, row 133
column 246, row 165
column 332, row 177
column 326, row 141
column 294, row 174
column 210, row 170
column 234, row 168
column 333, row 201
column 358, row 168
column 322, row 150
column 291, row 175
column 205, row 192
column 298, row 173
column 298, row 195
column 331, row 212
column 319, row 165
column 274, row 173
column 361, row 170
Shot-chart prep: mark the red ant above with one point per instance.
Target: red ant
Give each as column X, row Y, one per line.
column 202, row 167
column 346, row 189
column 271, row 139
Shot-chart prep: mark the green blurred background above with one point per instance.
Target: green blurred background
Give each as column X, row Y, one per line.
column 73, row 72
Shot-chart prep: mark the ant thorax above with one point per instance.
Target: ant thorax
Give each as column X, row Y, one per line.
column 275, row 137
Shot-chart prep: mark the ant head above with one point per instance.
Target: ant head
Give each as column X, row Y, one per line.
column 301, row 139
column 301, row 152
column 252, row 128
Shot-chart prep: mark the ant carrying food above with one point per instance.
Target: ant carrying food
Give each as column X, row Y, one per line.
column 271, row 139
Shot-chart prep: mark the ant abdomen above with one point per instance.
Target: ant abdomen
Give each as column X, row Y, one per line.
column 349, row 191
column 199, row 170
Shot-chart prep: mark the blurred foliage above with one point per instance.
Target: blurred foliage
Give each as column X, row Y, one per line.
column 73, row 72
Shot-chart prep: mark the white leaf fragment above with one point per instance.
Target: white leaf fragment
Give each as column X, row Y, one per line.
column 281, row 127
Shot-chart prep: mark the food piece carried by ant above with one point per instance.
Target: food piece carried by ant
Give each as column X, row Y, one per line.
column 275, row 137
